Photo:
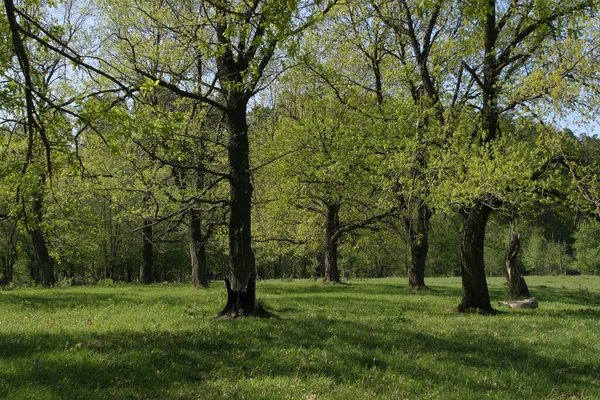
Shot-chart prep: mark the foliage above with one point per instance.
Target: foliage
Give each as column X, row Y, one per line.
column 542, row 256
column 130, row 100
column 587, row 247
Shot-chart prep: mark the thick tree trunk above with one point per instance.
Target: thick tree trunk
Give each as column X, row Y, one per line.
column 332, row 222
column 516, row 283
column 418, row 258
column 241, row 285
column 475, row 291
column 147, row 267
column 198, row 251
column 417, row 233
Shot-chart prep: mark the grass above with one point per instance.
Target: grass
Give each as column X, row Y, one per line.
column 366, row 339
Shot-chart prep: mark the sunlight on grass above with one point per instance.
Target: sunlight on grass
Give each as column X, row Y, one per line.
column 366, row 339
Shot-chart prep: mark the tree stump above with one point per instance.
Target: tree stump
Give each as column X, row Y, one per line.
column 516, row 283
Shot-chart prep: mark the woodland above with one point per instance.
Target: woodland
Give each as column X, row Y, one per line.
column 240, row 140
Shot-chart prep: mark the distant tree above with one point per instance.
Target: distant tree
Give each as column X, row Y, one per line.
column 587, row 247
column 326, row 171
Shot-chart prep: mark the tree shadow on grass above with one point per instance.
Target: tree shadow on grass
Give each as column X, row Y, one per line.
column 195, row 362
column 42, row 299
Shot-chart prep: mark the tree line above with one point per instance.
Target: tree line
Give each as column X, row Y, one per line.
column 264, row 139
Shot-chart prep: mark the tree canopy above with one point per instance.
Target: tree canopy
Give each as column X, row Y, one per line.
column 236, row 140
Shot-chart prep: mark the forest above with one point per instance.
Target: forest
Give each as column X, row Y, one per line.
column 243, row 140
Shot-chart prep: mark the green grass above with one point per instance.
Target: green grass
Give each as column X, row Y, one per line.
column 366, row 339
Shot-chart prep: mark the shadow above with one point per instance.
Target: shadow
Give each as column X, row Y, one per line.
column 125, row 364
column 326, row 348
column 43, row 299
column 582, row 297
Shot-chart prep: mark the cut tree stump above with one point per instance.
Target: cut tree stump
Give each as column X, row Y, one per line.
column 527, row 303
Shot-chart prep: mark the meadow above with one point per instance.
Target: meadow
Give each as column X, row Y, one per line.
column 359, row 340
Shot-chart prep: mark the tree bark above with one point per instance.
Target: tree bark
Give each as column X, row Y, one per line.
column 332, row 223
column 198, row 251
column 10, row 258
column 146, row 269
column 417, row 233
column 241, row 285
column 45, row 262
column 516, row 282
column 475, row 291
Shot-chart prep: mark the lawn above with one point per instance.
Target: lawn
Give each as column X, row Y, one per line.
column 364, row 339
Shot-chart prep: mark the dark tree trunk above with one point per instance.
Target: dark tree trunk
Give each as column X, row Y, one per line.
column 332, row 223
column 474, row 218
column 146, row 269
column 241, row 285
column 45, row 262
column 10, row 258
column 198, row 251
column 8, row 262
column 516, row 282
column 418, row 239
column 319, row 266
column 475, row 291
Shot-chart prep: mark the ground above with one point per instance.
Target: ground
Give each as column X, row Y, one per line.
column 364, row 339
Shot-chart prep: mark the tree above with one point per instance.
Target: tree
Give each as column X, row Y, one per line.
column 510, row 40
column 327, row 162
column 45, row 127
column 516, row 283
column 587, row 250
column 231, row 44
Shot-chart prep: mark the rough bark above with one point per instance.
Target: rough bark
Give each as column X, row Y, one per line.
column 198, row 251
column 475, row 295
column 241, row 285
column 490, row 112
column 332, row 222
column 146, row 269
column 243, row 303
column 44, row 260
column 516, row 282
column 417, row 233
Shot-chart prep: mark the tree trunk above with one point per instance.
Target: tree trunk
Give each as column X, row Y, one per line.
column 475, row 291
column 418, row 239
column 10, row 258
column 146, row 269
column 241, row 285
column 198, row 251
column 332, row 222
column 516, row 283
column 474, row 218
column 44, row 261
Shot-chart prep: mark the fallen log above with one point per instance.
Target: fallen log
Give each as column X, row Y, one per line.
column 527, row 303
